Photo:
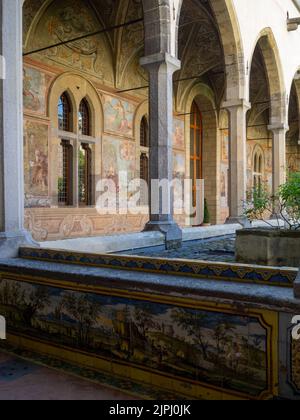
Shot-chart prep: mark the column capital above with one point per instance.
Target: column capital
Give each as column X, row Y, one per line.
column 159, row 59
column 278, row 127
column 236, row 103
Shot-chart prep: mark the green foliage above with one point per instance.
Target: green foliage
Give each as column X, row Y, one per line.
column 206, row 219
column 285, row 205
column 258, row 203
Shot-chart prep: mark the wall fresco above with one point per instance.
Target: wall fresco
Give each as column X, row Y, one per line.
column 224, row 174
column 221, row 349
column 68, row 20
column 178, row 134
column 118, row 116
column 178, row 166
column 35, row 84
column 36, row 158
column 118, row 156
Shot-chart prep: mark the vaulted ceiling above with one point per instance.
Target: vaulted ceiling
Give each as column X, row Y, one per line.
column 114, row 56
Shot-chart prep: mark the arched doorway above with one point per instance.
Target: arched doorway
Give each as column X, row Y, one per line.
column 196, row 148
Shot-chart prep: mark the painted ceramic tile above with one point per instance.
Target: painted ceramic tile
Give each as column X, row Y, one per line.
column 36, row 158
column 215, row 348
column 118, row 116
column 178, row 134
column 296, row 364
column 35, row 86
column 118, row 156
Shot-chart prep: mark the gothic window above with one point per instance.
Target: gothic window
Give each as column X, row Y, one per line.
column 65, row 180
column 196, row 141
column 85, row 175
column 258, row 169
column 144, row 133
column 64, row 113
column 84, row 118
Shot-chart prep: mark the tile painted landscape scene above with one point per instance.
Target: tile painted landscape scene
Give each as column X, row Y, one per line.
column 223, row 350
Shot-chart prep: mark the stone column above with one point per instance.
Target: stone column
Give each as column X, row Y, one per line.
column 279, row 154
column 161, row 68
column 237, row 159
column 12, row 233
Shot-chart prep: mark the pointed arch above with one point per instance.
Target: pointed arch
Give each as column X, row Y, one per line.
column 230, row 35
column 273, row 67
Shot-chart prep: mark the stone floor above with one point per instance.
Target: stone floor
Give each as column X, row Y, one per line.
column 23, row 380
column 220, row 249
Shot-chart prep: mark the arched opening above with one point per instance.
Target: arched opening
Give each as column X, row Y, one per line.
column 258, row 160
column 84, row 118
column 64, row 113
column 196, row 148
column 80, row 105
column 144, row 133
column 293, row 136
column 266, row 119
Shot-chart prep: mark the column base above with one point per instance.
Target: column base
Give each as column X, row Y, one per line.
column 171, row 230
column 240, row 220
column 10, row 243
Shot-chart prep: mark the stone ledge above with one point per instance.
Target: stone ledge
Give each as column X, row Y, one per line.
column 276, row 298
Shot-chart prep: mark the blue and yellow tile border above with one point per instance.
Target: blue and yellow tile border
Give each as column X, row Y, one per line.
column 241, row 273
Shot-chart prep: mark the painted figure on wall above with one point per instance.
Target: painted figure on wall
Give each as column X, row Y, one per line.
column 36, row 158
column 179, row 166
column 118, row 116
column 118, row 156
column 225, row 147
column 223, row 184
column 34, row 90
column 178, row 134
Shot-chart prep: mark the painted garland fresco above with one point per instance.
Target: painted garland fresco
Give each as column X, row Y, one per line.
column 224, row 350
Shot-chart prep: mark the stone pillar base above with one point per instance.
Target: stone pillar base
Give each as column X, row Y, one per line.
column 171, row 230
column 240, row 221
column 11, row 241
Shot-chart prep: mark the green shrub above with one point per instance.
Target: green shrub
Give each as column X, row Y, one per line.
column 285, row 205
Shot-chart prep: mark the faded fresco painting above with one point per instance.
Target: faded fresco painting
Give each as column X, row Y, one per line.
column 178, row 134
column 36, row 158
column 179, row 166
column 224, row 185
column 118, row 116
column 224, row 350
column 35, row 85
column 118, row 156
column 68, row 20
column 225, row 146
column 224, row 180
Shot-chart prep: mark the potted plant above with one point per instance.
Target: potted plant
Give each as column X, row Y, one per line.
column 206, row 218
column 276, row 244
